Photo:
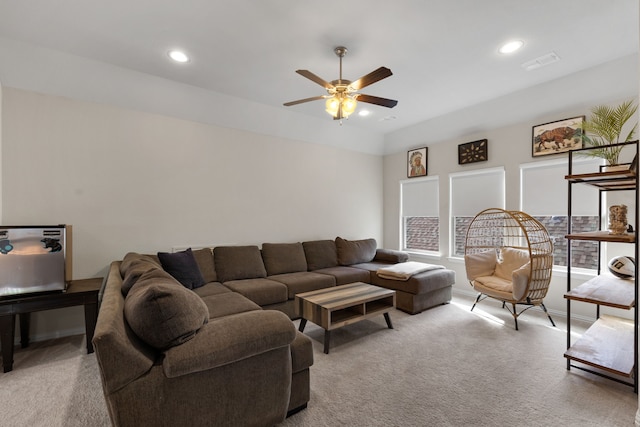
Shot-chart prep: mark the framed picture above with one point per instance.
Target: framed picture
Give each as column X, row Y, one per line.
column 472, row 152
column 557, row 137
column 417, row 162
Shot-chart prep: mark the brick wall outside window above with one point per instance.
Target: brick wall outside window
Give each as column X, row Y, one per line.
column 422, row 233
column 584, row 254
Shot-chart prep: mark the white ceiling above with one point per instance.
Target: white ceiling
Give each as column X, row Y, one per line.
column 443, row 53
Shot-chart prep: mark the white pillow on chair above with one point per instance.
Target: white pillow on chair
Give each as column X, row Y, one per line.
column 520, row 280
column 512, row 259
column 480, row 264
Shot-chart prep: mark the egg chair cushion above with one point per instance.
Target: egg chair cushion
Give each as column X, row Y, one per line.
column 512, row 259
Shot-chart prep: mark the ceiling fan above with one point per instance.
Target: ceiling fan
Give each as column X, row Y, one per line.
column 342, row 95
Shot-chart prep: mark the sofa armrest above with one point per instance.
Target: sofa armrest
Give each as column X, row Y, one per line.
column 391, row 256
column 228, row 339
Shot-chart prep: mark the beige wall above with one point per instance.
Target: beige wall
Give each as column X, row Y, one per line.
column 134, row 181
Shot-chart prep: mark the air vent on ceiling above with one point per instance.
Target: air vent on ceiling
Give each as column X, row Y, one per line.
column 541, row 61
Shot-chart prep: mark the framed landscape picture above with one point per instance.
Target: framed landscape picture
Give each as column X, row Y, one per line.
column 557, row 137
column 417, row 162
column 472, row 152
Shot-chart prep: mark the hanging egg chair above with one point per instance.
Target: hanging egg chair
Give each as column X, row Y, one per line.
column 509, row 257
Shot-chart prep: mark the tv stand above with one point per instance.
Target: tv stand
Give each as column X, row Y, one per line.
column 79, row 292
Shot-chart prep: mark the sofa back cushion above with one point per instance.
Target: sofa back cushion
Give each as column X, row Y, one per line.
column 183, row 267
column 204, row 259
column 282, row 258
column 355, row 251
column 238, row 262
column 162, row 312
column 320, row 254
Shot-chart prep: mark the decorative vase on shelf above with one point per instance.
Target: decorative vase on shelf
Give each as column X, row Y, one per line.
column 617, row 219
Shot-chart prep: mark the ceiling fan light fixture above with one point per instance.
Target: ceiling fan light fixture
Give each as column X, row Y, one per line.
column 343, row 95
column 342, row 102
column 348, row 106
column 332, row 105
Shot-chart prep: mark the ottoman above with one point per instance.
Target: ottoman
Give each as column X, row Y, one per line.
column 422, row 291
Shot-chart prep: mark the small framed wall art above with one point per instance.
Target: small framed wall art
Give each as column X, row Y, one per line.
column 472, row 152
column 557, row 137
column 417, row 162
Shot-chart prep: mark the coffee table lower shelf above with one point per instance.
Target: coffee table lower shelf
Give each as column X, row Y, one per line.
column 333, row 308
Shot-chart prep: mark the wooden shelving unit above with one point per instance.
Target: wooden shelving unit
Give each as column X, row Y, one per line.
column 609, row 347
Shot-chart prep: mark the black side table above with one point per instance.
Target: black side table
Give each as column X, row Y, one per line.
column 79, row 292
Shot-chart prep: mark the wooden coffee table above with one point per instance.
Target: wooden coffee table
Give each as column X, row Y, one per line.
column 333, row 308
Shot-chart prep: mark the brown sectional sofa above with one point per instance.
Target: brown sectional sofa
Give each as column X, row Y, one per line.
column 205, row 337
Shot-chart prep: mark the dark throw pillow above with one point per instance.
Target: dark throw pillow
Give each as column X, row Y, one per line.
column 182, row 266
column 162, row 313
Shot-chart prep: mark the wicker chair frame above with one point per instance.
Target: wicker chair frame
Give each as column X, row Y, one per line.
column 496, row 228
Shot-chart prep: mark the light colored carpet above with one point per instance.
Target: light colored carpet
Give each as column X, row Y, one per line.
column 444, row 367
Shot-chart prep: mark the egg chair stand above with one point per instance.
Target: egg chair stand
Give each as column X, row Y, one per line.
column 509, row 257
column 514, row 311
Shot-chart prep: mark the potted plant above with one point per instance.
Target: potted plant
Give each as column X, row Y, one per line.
column 604, row 128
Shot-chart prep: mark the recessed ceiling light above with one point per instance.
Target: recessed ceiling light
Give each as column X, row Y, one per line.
column 511, row 46
column 364, row 113
column 178, row 56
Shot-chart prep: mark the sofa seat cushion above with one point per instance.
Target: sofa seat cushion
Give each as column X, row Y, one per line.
column 281, row 258
column 212, row 288
column 304, row 282
column 228, row 303
column 261, row 291
column 320, row 254
column 301, row 353
column 344, row 274
column 355, row 251
column 420, row 283
column 238, row 262
column 162, row 312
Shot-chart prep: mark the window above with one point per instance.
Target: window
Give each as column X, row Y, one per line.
column 471, row 193
column 419, row 215
column 543, row 195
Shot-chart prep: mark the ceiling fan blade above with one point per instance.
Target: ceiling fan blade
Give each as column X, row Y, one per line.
column 300, row 101
column 372, row 77
column 308, row 74
column 389, row 103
